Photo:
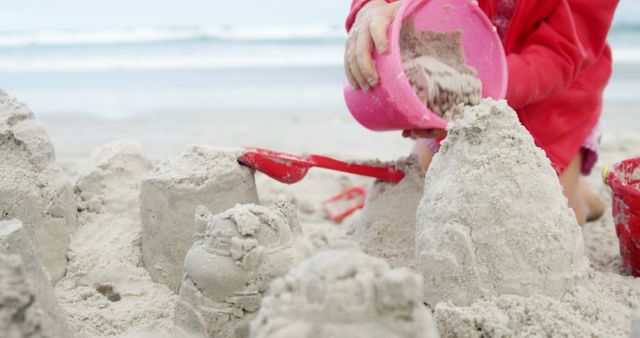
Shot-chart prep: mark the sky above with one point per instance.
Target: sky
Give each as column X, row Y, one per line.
column 21, row 15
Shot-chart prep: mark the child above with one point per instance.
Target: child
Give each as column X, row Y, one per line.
column 558, row 62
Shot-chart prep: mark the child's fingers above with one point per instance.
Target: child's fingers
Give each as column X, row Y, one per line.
column 352, row 81
column 428, row 133
column 364, row 58
column 352, row 62
column 356, row 73
column 347, row 69
column 407, row 134
column 378, row 28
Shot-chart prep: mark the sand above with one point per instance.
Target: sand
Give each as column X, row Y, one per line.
column 472, row 239
column 249, row 245
column 436, row 69
column 15, row 240
column 342, row 292
column 106, row 290
column 607, row 299
column 604, row 306
column 33, row 188
column 549, row 291
column 170, row 193
column 20, row 314
column 387, row 227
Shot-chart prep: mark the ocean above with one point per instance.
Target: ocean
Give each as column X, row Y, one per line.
column 128, row 73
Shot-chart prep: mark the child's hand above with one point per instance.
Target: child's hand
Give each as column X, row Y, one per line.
column 424, row 133
column 370, row 26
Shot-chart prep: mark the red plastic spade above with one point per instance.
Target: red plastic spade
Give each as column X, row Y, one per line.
column 289, row 168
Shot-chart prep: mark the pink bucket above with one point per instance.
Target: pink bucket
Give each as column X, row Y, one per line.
column 392, row 104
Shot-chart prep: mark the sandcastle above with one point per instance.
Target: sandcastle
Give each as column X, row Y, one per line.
column 32, row 187
column 106, row 289
column 234, row 257
column 342, row 292
column 202, row 175
column 493, row 219
column 387, row 227
column 20, row 315
column 110, row 180
column 27, row 269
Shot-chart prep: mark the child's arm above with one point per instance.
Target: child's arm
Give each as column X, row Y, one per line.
column 551, row 58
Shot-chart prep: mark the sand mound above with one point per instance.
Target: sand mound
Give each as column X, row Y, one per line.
column 32, row 187
column 106, row 290
column 603, row 307
column 344, row 293
column 202, row 175
column 493, row 219
column 14, row 240
column 20, row 314
column 236, row 254
column 387, row 227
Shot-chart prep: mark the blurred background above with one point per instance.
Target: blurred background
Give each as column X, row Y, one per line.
column 251, row 72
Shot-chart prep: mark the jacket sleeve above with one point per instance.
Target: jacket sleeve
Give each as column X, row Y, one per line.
column 559, row 49
column 356, row 5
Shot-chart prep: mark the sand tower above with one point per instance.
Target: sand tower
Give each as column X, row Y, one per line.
column 234, row 257
column 201, row 175
column 387, row 227
column 493, row 219
column 33, row 188
column 343, row 292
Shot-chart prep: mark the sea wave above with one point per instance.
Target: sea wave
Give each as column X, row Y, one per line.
column 311, row 33
column 155, row 35
column 167, row 62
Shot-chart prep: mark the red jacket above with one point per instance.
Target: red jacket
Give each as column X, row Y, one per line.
column 559, row 63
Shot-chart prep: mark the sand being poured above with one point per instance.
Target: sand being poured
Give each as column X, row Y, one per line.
column 436, row 69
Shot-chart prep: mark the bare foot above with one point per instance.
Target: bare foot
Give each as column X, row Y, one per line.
column 594, row 204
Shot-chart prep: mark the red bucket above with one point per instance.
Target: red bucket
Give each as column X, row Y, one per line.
column 624, row 180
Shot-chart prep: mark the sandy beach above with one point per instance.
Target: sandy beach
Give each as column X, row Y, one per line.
column 111, row 234
column 128, row 210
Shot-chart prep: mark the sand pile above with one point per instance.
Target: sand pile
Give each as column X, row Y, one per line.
column 33, row 189
column 106, row 290
column 344, row 293
column 387, row 227
column 436, row 69
column 201, row 175
column 14, row 240
column 604, row 306
column 20, row 314
column 493, row 234
column 493, row 219
column 234, row 257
